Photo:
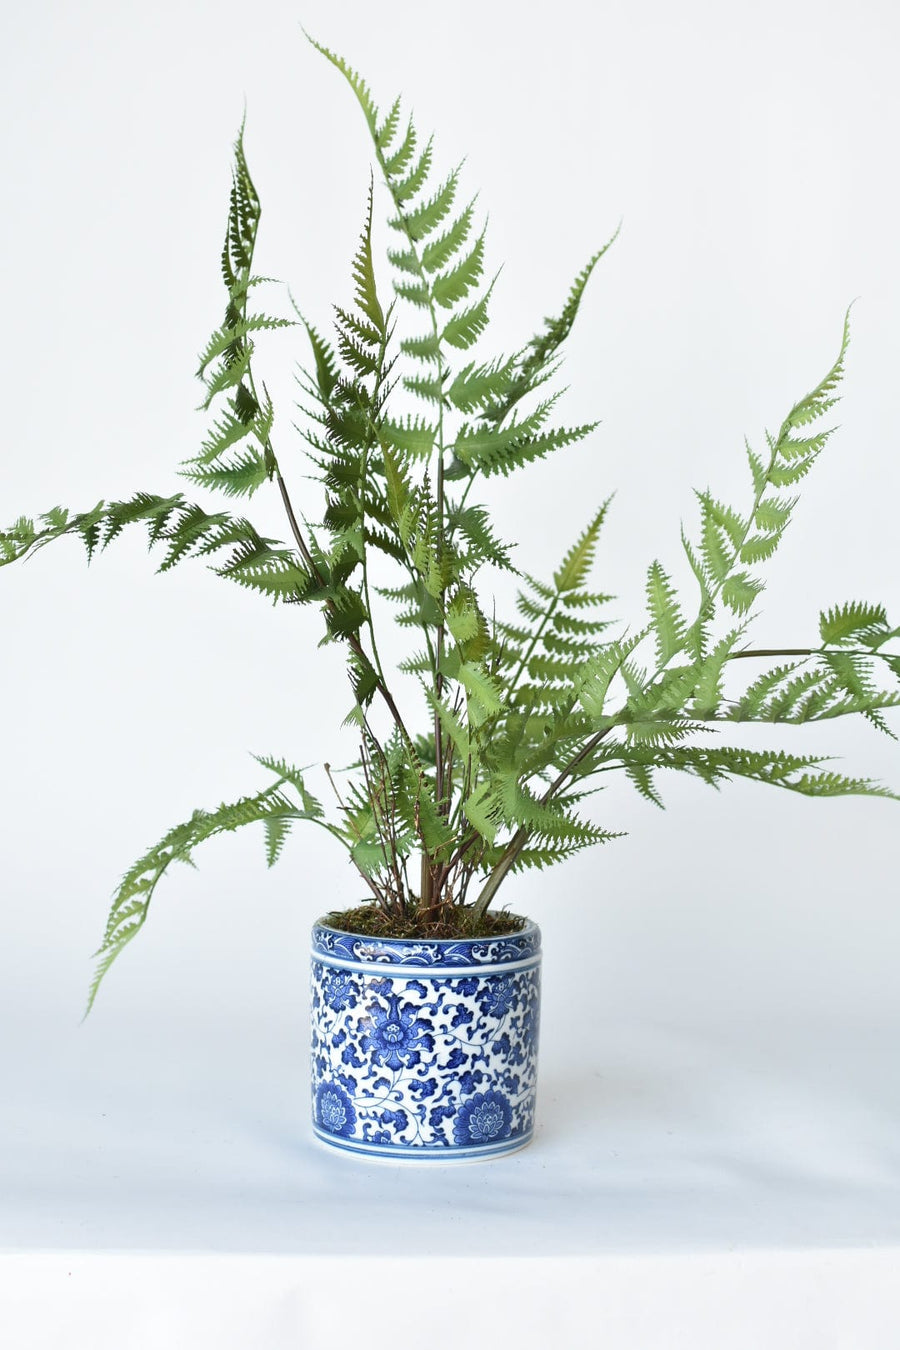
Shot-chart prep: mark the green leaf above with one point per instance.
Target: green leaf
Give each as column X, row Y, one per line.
column 759, row 548
column 482, row 812
column 364, row 274
column 462, row 616
column 600, row 671
column 757, row 470
column 570, row 576
column 465, row 328
column 404, row 260
column 851, row 621
column 238, row 478
column 665, row 613
column 416, row 292
column 132, row 899
column 787, row 476
column 820, row 400
column 232, row 336
column 437, row 253
column 451, row 287
column 484, row 694
column 412, row 437
column 425, row 218
column 773, row 513
column 423, row 387
column 641, row 775
column 426, row 348
column 403, row 190
column 537, row 355
column 326, row 367
column 476, row 386
column 356, row 83
column 740, row 591
column 397, row 162
column 710, row 675
column 399, row 490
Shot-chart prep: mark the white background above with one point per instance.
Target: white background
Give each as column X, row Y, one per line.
column 727, row 971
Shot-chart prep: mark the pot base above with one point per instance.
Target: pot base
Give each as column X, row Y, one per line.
column 428, row 1155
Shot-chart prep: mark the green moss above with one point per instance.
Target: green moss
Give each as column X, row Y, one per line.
column 456, row 922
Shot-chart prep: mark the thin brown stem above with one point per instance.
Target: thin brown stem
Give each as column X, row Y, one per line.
column 368, row 880
column 773, row 651
column 378, row 803
column 520, row 838
column 353, row 641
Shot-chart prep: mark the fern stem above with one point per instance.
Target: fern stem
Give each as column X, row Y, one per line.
column 536, row 637
column 520, row 838
column 772, row 651
column 383, row 821
column 354, row 643
column 441, row 795
column 368, row 880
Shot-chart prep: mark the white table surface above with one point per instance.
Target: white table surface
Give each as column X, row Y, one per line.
column 737, row 1187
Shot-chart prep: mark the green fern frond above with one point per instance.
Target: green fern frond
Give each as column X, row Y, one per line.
column 325, row 363
column 289, row 773
column 739, row 591
column 466, row 327
column 641, row 776
column 424, row 348
column 540, row 351
column 450, row 287
column 405, row 189
column 424, row 219
column 792, row 698
column 855, row 621
column 135, row 893
column 396, row 163
column 749, row 708
column 473, row 525
column 708, row 688
column 759, row 548
column 230, row 337
column 438, row 252
column 239, row 477
column 357, row 84
column 478, row 386
column 424, row 387
column 414, row 292
column 515, row 454
column 818, row 402
column 665, row 614
column 484, row 696
column 773, row 513
column 599, row 673
column 575, row 566
column 366, row 293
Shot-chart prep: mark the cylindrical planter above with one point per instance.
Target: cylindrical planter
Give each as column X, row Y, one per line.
column 425, row 1049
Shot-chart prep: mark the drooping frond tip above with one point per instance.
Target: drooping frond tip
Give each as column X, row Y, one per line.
column 355, row 81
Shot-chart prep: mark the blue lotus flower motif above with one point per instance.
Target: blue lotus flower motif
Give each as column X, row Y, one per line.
column 499, row 997
column 334, row 1109
column 395, row 1036
column 340, row 990
column 486, row 1116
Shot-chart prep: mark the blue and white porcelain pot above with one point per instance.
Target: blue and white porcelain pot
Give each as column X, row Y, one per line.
column 425, row 1049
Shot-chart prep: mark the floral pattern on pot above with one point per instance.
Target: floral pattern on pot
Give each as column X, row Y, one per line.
column 428, row 1063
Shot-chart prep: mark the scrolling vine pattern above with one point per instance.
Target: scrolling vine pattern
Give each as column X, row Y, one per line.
column 432, row 1062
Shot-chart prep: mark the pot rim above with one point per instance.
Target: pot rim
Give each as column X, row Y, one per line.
column 528, row 927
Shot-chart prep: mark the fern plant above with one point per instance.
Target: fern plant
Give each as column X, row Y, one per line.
column 518, row 715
